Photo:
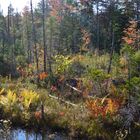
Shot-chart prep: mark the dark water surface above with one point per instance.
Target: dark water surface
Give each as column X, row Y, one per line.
column 19, row 134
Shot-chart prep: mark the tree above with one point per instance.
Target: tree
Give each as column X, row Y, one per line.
column 27, row 33
column 44, row 33
column 34, row 37
column 2, row 35
column 132, row 35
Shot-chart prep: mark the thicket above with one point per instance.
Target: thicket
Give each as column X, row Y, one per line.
column 84, row 53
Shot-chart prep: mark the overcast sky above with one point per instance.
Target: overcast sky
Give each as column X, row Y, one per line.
column 17, row 4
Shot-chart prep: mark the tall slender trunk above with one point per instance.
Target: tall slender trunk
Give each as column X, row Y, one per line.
column 50, row 51
column 98, row 31
column 8, row 23
column 137, row 9
column 44, row 35
column 3, row 45
column 28, row 43
column 14, row 45
column 34, row 37
column 112, row 52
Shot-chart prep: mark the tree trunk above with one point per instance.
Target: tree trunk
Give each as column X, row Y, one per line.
column 3, row 44
column 98, row 31
column 44, row 34
column 28, row 44
column 34, row 38
column 111, row 53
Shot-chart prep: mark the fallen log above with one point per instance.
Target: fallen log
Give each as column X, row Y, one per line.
column 62, row 100
column 75, row 89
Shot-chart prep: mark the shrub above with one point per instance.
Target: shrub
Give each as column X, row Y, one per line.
column 99, row 79
column 62, row 63
column 76, row 69
column 102, row 107
column 29, row 100
column 136, row 63
column 10, row 103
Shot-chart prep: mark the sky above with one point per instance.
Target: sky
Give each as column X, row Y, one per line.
column 17, row 4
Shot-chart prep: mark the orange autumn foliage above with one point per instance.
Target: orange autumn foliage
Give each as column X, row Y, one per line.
column 38, row 115
column 56, row 8
column 61, row 114
column 43, row 75
column 101, row 107
column 132, row 35
column 129, row 41
column 22, row 71
column 86, row 38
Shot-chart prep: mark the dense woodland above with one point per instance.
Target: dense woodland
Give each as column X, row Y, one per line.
column 64, row 27
column 82, row 53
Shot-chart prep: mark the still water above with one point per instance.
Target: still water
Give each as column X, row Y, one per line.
column 19, row 134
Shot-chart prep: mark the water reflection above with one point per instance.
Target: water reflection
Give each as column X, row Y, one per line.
column 20, row 134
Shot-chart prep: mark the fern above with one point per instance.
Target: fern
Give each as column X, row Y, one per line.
column 30, row 99
column 9, row 102
column 2, row 91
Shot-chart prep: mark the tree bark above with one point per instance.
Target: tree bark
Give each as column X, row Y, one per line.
column 112, row 52
column 34, row 38
column 44, row 35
